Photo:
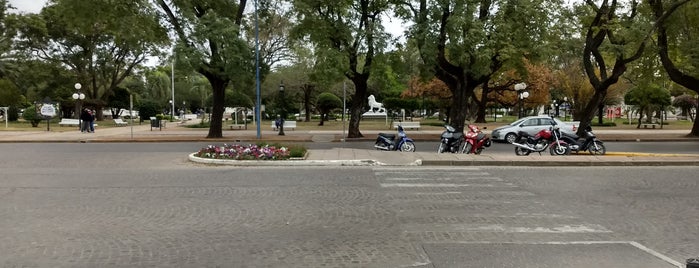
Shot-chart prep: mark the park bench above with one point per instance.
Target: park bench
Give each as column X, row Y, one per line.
column 120, row 122
column 236, row 126
column 410, row 125
column 287, row 125
column 70, row 122
column 652, row 125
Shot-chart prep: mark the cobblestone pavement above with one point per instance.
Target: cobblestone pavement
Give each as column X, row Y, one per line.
column 87, row 206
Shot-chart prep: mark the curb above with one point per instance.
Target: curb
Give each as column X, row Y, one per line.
column 267, row 163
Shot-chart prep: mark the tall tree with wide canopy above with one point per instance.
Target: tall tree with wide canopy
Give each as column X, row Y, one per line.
column 352, row 31
column 465, row 42
column 101, row 41
column 210, row 41
column 616, row 35
column 682, row 28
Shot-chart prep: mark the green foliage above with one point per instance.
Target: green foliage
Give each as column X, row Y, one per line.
column 685, row 103
column 30, row 115
column 119, row 100
column 295, row 150
column 148, row 109
column 9, row 93
column 238, row 99
column 101, row 41
column 328, row 101
column 12, row 113
column 395, row 104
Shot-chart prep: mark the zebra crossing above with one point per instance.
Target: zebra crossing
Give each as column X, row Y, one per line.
column 468, row 204
column 467, row 217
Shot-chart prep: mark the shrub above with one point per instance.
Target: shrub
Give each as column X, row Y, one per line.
column 148, row 109
column 31, row 116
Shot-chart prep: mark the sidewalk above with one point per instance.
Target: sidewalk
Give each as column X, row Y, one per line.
column 345, row 156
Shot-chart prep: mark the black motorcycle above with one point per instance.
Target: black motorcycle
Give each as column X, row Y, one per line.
column 451, row 140
column 389, row 142
column 590, row 143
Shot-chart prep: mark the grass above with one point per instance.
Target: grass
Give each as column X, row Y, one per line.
column 366, row 124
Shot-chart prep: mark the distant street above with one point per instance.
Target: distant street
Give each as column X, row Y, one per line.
column 689, row 147
column 144, row 204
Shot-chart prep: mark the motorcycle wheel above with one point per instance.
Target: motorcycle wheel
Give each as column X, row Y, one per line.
column 559, row 150
column 466, row 149
column 521, row 151
column 440, row 149
column 479, row 150
column 407, row 146
column 597, row 148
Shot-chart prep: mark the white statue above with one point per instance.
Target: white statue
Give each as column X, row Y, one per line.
column 373, row 104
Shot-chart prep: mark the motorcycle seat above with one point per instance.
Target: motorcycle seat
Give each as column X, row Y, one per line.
column 574, row 137
column 480, row 136
column 388, row 135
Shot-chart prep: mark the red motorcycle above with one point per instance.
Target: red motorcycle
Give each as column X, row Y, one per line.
column 475, row 141
column 549, row 138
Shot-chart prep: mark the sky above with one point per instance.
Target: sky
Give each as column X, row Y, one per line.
column 28, row 6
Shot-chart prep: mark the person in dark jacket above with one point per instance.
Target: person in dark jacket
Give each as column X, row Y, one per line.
column 85, row 117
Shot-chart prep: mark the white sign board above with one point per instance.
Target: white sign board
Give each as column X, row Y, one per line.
column 48, row 110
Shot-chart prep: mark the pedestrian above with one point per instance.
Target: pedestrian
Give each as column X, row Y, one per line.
column 85, row 117
column 93, row 115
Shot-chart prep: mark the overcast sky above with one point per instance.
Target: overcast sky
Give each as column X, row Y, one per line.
column 28, row 6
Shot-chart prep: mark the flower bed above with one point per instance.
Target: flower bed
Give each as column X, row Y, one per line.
column 247, row 152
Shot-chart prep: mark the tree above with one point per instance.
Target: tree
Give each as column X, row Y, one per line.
column 326, row 103
column 100, row 41
column 119, row 100
column 433, row 90
column 647, row 99
column 464, row 43
column 209, row 41
column 352, row 35
column 615, row 36
column 686, row 103
column 681, row 66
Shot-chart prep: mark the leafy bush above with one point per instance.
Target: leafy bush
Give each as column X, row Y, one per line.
column 12, row 114
column 31, row 116
column 148, row 109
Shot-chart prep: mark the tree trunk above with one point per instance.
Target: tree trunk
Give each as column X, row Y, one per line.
column 482, row 105
column 460, row 105
column 216, row 125
column 600, row 115
column 357, row 105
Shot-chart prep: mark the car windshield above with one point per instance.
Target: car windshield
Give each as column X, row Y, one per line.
column 517, row 122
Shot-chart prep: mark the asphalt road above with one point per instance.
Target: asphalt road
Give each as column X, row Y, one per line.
column 145, row 205
column 689, row 147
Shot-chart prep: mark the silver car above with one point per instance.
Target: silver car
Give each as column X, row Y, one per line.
column 531, row 125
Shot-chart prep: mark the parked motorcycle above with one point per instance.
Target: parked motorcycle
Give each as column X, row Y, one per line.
column 393, row 142
column 475, row 141
column 451, row 140
column 545, row 139
column 590, row 143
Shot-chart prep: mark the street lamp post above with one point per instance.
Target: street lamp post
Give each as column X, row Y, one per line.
column 565, row 108
column 521, row 95
column 282, row 113
column 78, row 96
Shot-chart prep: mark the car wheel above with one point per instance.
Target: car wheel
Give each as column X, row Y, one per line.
column 510, row 137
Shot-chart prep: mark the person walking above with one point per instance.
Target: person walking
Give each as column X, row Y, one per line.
column 93, row 115
column 85, row 124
